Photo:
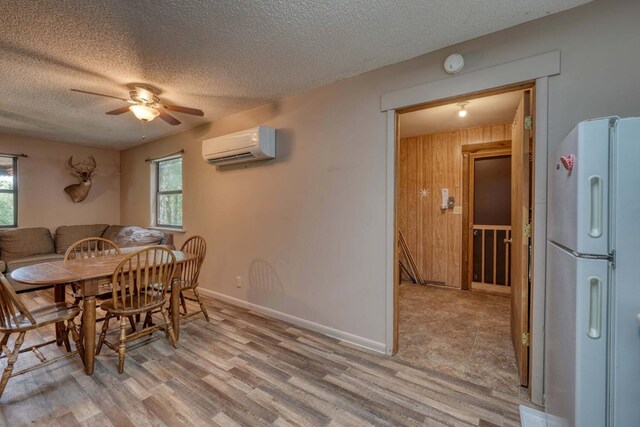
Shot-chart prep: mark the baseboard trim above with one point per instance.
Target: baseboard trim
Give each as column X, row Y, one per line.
column 530, row 417
column 298, row 321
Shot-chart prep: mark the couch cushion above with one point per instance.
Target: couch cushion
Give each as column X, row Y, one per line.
column 3, row 266
column 67, row 235
column 33, row 259
column 24, row 242
column 128, row 236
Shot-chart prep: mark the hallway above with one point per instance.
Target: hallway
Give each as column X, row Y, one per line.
column 460, row 333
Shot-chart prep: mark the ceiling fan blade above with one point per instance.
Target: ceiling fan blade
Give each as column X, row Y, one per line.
column 168, row 118
column 186, row 110
column 117, row 111
column 100, row 94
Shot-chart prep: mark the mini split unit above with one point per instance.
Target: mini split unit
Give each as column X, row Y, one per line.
column 240, row 147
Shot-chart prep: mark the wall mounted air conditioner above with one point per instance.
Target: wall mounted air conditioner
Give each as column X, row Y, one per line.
column 245, row 146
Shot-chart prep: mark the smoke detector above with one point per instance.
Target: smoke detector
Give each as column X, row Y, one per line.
column 454, row 63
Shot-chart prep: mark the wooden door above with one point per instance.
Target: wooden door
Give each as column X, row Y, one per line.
column 521, row 232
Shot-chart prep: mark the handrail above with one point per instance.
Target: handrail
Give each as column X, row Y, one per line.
column 484, row 228
column 491, row 227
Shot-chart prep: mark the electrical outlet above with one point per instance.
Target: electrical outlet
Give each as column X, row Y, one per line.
column 457, row 210
column 238, row 281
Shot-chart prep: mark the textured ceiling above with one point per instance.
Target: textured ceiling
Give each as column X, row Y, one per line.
column 219, row 56
column 481, row 111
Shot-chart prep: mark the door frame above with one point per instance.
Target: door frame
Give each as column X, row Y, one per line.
column 536, row 69
column 468, row 200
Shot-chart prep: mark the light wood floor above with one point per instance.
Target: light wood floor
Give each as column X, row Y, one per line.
column 246, row 369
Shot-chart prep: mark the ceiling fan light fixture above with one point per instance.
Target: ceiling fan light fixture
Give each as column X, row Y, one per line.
column 146, row 106
column 144, row 113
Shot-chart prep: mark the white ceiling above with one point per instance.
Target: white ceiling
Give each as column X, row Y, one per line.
column 219, row 56
column 481, row 111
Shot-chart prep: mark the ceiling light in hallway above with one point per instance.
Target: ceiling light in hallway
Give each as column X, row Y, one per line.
column 463, row 111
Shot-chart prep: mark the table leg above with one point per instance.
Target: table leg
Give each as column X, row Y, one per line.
column 89, row 332
column 175, row 310
column 59, row 296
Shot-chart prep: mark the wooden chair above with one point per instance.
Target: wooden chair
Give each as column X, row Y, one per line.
column 189, row 273
column 90, row 248
column 16, row 318
column 140, row 285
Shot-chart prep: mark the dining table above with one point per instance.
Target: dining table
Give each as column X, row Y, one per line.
column 89, row 273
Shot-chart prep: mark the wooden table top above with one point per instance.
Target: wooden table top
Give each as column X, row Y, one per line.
column 56, row 272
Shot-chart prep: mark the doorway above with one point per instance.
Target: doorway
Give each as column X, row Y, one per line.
column 462, row 183
column 489, row 201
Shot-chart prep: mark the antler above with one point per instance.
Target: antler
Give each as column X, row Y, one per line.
column 85, row 169
column 92, row 164
column 73, row 168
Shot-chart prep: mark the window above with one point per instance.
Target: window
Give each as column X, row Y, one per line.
column 169, row 193
column 8, row 192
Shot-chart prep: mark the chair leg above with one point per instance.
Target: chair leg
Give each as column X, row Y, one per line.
column 202, row 307
column 148, row 320
column 103, row 333
column 12, row 357
column 71, row 326
column 3, row 343
column 65, row 339
column 122, row 345
column 132, row 322
column 183, row 303
column 80, row 329
column 75, row 289
column 172, row 335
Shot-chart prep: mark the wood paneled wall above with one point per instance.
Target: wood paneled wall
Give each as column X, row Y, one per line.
column 433, row 162
column 484, row 134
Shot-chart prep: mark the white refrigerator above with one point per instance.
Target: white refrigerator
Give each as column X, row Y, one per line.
column 592, row 320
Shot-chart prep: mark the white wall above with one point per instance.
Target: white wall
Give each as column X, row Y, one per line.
column 42, row 177
column 307, row 231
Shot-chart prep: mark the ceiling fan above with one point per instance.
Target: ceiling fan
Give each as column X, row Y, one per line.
column 146, row 106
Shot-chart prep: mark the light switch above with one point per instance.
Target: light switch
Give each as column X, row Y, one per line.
column 457, row 210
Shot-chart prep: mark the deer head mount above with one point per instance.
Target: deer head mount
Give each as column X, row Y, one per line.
column 84, row 171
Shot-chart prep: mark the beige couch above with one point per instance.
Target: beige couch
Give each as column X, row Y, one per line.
column 26, row 246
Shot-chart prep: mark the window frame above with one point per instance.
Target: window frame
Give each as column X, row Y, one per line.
column 14, row 191
column 163, row 193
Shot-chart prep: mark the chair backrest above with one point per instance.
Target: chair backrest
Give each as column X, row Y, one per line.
column 11, row 306
column 142, row 278
column 190, row 270
column 91, row 247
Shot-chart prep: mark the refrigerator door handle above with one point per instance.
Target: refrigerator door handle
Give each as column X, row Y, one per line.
column 595, row 308
column 595, row 208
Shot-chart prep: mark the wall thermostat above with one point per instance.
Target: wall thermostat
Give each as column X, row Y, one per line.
column 454, row 63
